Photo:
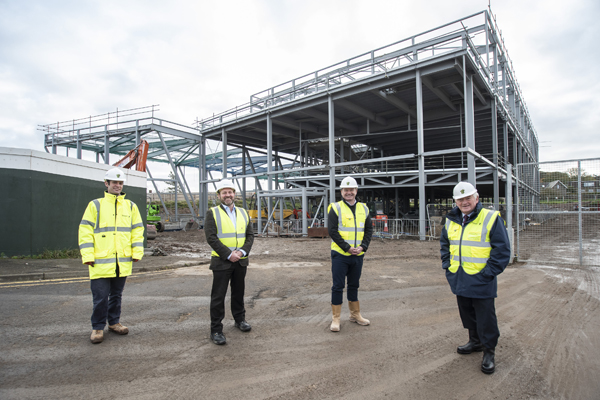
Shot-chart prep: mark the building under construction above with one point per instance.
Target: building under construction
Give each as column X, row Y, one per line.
column 408, row 120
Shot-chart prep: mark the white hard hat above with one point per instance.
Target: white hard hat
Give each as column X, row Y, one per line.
column 348, row 182
column 225, row 183
column 114, row 174
column 463, row 189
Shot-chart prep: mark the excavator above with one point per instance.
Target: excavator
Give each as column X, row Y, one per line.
column 138, row 156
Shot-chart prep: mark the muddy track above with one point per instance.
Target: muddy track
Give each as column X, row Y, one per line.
column 549, row 321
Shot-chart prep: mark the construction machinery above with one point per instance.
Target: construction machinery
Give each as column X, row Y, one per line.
column 137, row 156
column 153, row 218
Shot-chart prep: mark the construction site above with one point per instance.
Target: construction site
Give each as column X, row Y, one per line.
column 408, row 121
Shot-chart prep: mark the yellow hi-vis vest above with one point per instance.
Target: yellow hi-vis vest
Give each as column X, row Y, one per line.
column 470, row 245
column 111, row 229
column 232, row 237
column 351, row 230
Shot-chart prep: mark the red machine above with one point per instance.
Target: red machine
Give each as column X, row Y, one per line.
column 135, row 156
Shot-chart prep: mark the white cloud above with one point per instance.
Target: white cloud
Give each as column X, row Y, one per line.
column 65, row 59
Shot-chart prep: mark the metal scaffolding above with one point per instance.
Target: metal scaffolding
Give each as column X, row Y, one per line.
column 408, row 121
column 416, row 116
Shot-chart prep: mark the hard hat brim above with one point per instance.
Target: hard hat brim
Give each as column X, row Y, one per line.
column 464, row 195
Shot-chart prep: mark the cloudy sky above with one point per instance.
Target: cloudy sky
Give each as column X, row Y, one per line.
column 68, row 59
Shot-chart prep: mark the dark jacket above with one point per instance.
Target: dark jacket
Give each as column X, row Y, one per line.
column 221, row 262
column 484, row 284
column 334, row 234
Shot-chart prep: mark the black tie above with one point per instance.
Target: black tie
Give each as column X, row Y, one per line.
column 465, row 218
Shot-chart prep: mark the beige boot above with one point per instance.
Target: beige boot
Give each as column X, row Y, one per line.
column 335, row 324
column 118, row 328
column 97, row 336
column 355, row 313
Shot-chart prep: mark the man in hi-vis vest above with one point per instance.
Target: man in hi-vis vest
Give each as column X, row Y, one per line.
column 230, row 235
column 475, row 249
column 350, row 229
column 111, row 237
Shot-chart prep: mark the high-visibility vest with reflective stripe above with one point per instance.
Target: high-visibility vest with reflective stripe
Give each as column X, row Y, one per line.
column 111, row 229
column 351, row 229
column 232, row 237
column 470, row 245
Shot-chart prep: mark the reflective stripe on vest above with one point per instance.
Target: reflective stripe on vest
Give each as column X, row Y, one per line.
column 351, row 228
column 470, row 245
column 232, row 239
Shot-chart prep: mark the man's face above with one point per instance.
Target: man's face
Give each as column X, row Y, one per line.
column 468, row 204
column 226, row 196
column 349, row 194
column 114, row 187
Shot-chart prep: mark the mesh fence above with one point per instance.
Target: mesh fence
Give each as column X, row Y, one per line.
column 558, row 212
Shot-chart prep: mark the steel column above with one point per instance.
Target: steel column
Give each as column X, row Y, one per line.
column 495, row 153
column 269, row 161
column 421, row 157
column 224, row 151
column 331, row 126
column 469, row 124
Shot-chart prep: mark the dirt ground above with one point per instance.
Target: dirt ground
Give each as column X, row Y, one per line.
column 549, row 320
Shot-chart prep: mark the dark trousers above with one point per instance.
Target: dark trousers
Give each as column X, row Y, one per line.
column 342, row 268
column 234, row 275
column 480, row 315
column 106, row 294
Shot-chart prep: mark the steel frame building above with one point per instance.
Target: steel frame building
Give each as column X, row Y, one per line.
column 408, row 121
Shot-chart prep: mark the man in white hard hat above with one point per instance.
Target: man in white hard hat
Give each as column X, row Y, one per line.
column 111, row 237
column 230, row 235
column 350, row 229
column 475, row 249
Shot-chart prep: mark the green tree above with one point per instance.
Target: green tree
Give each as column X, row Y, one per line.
column 171, row 184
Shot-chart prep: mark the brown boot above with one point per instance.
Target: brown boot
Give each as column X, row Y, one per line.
column 355, row 313
column 336, row 311
column 118, row 328
column 97, row 336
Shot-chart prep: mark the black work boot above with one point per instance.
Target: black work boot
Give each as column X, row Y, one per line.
column 487, row 364
column 473, row 345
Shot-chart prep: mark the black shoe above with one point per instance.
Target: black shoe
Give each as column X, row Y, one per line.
column 469, row 348
column 473, row 345
column 218, row 338
column 243, row 326
column 487, row 364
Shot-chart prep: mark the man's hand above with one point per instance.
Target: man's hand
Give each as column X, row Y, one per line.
column 90, row 263
column 135, row 260
column 356, row 250
column 235, row 256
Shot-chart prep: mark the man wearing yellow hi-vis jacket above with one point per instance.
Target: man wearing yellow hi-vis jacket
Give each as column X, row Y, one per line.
column 230, row 235
column 350, row 228
column 475, row 249
column 111, row 237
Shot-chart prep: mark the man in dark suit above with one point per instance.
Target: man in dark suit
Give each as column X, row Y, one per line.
column 230, row 235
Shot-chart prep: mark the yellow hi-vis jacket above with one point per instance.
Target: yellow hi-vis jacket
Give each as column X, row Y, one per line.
column 351, row 230
column 232, row 237
column 111, row 229
column 470, row 245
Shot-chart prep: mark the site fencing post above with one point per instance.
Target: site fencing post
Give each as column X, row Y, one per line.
column 579, row 214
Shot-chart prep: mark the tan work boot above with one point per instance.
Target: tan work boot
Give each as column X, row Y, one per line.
column 118, row 328
column 355, row 313
column 97, row 336
column 335, row 324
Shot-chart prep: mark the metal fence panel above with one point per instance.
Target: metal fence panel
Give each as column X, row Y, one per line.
column 558, row 217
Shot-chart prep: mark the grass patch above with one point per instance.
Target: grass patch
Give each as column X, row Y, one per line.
column 52, row 255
